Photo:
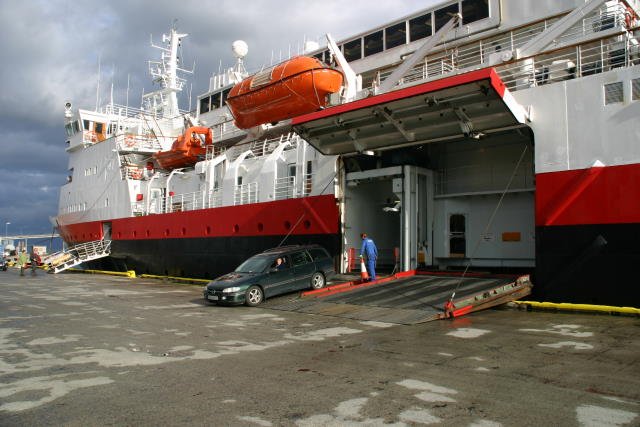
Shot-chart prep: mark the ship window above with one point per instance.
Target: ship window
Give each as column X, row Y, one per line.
column 420, row 27
column 373, row 43
column 204, row 105
column 215, row 100
column 635, row 89
column 327, row 57
column 68, row 127
column 86, row 124
column 98, row 127
column 442, row 16
column 76, row 126
column 239, row 181
column 474, row 10
column 225, row 93
column 319, row 56
column 353, row 50
column 112, row 128
column 613, row 93
column 395, row 35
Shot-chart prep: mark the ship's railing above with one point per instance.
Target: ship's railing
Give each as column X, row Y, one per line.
column 265, row 147
column 214, row 151
column 194, row 201
column 135, row 142
column 307, row 183
column 245, row 193
column 285, row 188
column 569, row 63
column 497, row 51
column 132, row 172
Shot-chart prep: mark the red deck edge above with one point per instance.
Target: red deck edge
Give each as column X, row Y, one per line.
column 447, row 82
column 596, row 195
column 280, row 217
column 356, row 284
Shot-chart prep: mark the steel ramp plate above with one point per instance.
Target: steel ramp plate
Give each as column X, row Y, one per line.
column 410, row 300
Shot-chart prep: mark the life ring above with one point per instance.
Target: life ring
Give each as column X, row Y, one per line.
column 135, row 174
column 129, row 140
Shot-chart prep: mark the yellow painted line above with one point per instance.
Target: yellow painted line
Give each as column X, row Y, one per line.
column 580, row 307
column 129, row 273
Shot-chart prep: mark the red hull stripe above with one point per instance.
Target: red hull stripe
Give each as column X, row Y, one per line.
column 307, row 215
column 598, row 195
column 484, row 74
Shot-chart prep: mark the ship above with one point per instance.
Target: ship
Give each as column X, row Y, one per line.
column 483, row 135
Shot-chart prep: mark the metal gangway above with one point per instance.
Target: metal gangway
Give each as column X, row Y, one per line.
column 75, row 255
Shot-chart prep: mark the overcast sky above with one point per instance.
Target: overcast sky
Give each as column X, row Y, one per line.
column 50, row 54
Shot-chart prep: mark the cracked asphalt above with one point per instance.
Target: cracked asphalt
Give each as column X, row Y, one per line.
column 84, row 350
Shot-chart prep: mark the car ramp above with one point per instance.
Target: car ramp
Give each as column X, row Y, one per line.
column 412, row 297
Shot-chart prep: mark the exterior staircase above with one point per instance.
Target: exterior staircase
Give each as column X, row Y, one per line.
column 76, row 255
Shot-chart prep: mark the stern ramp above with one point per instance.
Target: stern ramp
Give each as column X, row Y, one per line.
column 412, row 297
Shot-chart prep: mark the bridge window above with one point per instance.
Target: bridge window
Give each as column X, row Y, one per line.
column 204, row 105
column 442, row 16
column 474, row 10
column 224, row 95
column 420, row 27
column 373, row 43
column 395, row 35
column 353, row 50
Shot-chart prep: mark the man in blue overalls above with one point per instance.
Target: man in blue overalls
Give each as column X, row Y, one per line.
column 369, row 249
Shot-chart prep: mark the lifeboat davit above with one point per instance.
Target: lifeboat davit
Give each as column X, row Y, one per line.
column 291, row 88
column 186, row 150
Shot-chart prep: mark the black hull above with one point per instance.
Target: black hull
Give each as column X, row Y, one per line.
column 204, row 258
column 588, row 264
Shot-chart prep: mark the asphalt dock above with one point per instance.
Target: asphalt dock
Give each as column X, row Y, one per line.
column 80, row 350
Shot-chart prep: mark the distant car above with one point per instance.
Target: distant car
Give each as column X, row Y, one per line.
column 260, row 276
column 3, row 264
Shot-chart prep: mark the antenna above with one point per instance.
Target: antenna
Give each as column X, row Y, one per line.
column 126, row 109
column 98, row 88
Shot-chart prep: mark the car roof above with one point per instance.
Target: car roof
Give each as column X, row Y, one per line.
column 289, row 248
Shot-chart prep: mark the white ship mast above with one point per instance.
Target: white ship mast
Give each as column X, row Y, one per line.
column 164, row 102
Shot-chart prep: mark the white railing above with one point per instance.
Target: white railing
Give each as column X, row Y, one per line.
column 307, row 183
column 587, row 57
column 245, row 193
column 148, row 143
column 194, row 201
column 285, row 188
column 214, row 151
column 132, row 172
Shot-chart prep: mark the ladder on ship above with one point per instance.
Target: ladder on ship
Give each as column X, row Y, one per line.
column 75, row 255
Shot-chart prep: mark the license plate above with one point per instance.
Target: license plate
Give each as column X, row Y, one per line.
column 212, row 297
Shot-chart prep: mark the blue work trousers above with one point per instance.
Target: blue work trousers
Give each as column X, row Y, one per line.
column 371, row 268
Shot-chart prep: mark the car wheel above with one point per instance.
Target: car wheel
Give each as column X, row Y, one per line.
column 254, row 296
column 317, row 280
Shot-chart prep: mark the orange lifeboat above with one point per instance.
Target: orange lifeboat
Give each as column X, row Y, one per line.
column 291, row 88
column 186, row 150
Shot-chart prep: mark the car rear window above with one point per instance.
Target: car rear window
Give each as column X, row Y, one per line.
column 318, row 253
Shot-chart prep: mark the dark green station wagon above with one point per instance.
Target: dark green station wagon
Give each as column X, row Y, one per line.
column 272, row 272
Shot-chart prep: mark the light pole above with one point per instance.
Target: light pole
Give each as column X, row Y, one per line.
column 6, row 228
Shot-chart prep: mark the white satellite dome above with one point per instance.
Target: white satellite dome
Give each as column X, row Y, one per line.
column 240, row 48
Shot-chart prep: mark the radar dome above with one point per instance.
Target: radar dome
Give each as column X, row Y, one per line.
column 240, row 48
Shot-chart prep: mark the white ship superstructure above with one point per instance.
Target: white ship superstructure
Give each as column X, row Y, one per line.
column 478, row 134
